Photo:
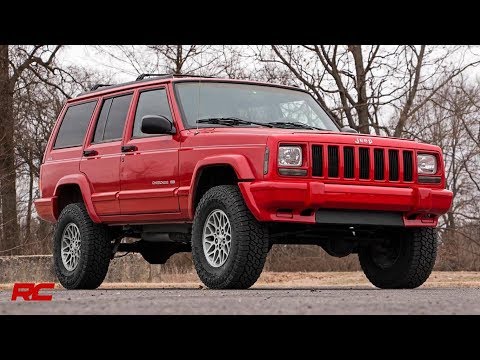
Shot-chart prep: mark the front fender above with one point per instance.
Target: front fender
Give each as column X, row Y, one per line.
column 86, row 190
column 239, row 163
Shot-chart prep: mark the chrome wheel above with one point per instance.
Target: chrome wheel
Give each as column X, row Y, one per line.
column 70, row 246
column 217, row 238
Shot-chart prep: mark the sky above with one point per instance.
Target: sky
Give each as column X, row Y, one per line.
column 86, row 55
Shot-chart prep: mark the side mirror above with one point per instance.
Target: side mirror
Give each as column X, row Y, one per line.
column 348, row 129
column 157, row 124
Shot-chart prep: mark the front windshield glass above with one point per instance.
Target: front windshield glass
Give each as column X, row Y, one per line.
column 263, row 104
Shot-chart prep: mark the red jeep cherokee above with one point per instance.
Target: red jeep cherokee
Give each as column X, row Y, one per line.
column 224, row 169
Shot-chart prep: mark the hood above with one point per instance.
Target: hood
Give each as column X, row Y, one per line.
column 320, row 137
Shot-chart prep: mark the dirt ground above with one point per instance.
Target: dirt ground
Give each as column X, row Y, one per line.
column 438, row 279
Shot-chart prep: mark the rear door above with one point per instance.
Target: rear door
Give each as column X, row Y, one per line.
column 149, row 168
column 102, row 153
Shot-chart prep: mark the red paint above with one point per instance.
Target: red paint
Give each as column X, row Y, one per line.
column 120, row 188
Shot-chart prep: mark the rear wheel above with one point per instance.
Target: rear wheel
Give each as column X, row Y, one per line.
column 404, row 261
column 229, row 246
column 81, row 249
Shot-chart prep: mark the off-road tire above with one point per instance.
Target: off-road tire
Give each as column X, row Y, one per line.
column 413, row 266
column 95, row 248
column 249, row 242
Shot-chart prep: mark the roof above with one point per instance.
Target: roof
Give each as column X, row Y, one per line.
column 101, row 89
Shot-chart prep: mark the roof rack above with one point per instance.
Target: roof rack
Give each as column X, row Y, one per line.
column 143, row 76
column 96, row 86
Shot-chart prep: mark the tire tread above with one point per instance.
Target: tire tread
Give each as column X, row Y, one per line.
column 95, row 246
column 252, row 238
column 422, row 253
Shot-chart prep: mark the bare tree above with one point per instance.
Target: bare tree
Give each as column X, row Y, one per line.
column 449, row 119
column 28, row 77
column 14, row 62
column 38, row 104
column 168, row 59
column 363, row 84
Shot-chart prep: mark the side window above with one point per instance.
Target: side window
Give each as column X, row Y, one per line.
column 74, row 125
column 102, row 120
column 152, row 102
column 112, row 119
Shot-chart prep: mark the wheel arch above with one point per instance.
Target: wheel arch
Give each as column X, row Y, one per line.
column 233, row 168
column 66, row 186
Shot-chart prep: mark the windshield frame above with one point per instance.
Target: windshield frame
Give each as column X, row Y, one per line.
column 187, row 126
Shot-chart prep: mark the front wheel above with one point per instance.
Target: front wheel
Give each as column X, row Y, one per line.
column 404, row 261
column 229, row 246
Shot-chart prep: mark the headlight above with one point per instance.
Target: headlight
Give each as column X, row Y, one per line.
column 290, row 156
column 426, row 164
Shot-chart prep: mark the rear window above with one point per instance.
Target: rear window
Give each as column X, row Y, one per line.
column 112, row 119
column 74, row 125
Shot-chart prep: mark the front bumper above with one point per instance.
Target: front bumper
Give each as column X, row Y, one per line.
column 282, row 201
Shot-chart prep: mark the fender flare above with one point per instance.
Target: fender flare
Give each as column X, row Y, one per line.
column 85, row 189
column 239, row 163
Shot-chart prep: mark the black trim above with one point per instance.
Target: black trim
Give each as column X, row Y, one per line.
column 424, row 179
column 359, row 217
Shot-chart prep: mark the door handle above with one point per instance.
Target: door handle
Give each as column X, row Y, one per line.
column 90, row 152
column 129, row 148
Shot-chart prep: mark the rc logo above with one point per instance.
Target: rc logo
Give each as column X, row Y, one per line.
column 31, row 292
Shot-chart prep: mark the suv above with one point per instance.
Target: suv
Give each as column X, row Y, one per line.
column 224, row 169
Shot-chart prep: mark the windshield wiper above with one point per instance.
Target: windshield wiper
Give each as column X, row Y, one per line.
column 290, row 124
column 230, row 121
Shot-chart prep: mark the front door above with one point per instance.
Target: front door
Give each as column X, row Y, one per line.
column 149, row 166
column 102, row 154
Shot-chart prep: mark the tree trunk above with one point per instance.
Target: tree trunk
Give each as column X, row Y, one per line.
column 361, row 87
column 178, row 61
column 8, row 189
column 30, row 202
column 412, row 93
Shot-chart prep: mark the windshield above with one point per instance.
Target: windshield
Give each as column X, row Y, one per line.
column 256, row 103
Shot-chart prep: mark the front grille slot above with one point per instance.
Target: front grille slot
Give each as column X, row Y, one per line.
column 393, row 165
column 407, row 166
column 317, row 160
column 332, row 161
column 379, row 163
column 348, row 163
column 364, row 155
